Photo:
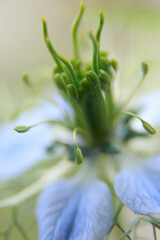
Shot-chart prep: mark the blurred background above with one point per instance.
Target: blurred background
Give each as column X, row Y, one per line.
column 131, row 35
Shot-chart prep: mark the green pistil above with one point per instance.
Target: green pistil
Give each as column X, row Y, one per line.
column 56, row 56
column 95, row 54
column 99, row 30
column 49, row 46
column 145, row 70
column 75, row 29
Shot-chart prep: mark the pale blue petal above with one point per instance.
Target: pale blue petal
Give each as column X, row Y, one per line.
column 139, row 189
column 153, row 164
column 149, row 110
column 70, row 211
column 64, row 105
column 18, row 151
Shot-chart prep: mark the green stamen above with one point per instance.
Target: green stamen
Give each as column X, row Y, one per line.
column 22, row 129
column 145, row 124
column 145, row 69
column 53, row 52
column 77, row 150
column 27, row 81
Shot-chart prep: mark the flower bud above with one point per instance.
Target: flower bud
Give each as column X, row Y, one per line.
column 65, row 78
column 114, row 64
column 72, row 91
column 92, row 76
column 106, row 65
column 80, row 92
column 145, row 68
column 26, row 80
column 59, row 81
column 87, row 84
column 104, row 76
column 103, row 54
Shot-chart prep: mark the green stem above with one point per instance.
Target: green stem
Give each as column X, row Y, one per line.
column 18, row 225
column 75, row 132
column 134, row 225
column 122, row 230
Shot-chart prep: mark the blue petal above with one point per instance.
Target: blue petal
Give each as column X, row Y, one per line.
column 139, row 189
column 18, row 152
column 69, row 210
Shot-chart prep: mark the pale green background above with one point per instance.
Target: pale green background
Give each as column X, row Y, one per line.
column 131, row 34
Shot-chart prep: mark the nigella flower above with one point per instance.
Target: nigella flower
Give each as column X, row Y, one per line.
column 82, row 205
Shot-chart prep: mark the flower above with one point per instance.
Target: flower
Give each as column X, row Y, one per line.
column 81, row 207
column 75, row 209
